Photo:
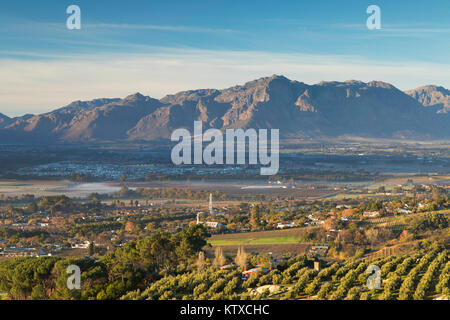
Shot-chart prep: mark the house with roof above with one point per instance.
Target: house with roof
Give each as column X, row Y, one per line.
column 282, row 225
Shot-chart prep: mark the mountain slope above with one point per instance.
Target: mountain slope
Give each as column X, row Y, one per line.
column 48, row 126
column 81, row 121
column 435, row 97
column 4, row 120
column 375, row 109
column 263, row 103
column 111, row 121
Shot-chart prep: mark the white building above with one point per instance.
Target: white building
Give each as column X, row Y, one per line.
column 282, row 225
column 371, row 214
column 212, row 224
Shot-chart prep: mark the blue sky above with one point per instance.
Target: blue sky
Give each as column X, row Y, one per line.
column 161, row 47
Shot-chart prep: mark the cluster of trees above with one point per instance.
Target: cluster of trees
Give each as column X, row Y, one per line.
column 170, row 193
column 160, row 268
column 429, row 221
column 409, row 284
column 91, row 229
column 443, row 285
column 52, row 204
column 324, row 175
column 401, row 278
column 429, row 278
column 297, row 174
column 6, row 199
column 337, row 281
column 201, row 284
column 41, row 278
column 131, row 267
column 371, row 205
column 19, row 237
column 82, row 177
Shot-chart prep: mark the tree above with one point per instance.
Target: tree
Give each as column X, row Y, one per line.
column 190, row 241
column 38, row 293
column 200, row 260
column 157, row 252
column 91, row 249
column 241, row 257
column 346, row 236
column 130, row 227
column 255, row 216
column 18, row 277
column 429, row 221
column 11, row 211
column 372, row 235
column 32, row 207
column 437, row 193
column 330, row 224
column 219, row 259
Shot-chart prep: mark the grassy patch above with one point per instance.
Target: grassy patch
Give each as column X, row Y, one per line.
column 279, row 236
column 269, row 240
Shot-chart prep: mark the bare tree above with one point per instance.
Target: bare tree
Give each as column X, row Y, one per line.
column 241, row 257
column 200, row 260
column 219, row 259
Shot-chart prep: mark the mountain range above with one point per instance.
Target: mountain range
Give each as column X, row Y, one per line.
column 327, row 109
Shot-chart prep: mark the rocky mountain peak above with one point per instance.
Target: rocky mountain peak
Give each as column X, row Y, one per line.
column 432, row 96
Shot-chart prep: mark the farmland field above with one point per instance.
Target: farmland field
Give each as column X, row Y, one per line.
column 277, row 242
column 275, row 249
column 268, row 240
column 262, row 237
column 420, row 275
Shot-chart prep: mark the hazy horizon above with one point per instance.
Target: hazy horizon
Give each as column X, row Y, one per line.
column 163, row 48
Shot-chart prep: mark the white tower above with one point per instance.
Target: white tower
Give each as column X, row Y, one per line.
column 211, row 212
column 198, row 217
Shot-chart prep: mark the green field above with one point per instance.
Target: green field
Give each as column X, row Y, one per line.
column 269, row 240
column 287, row 236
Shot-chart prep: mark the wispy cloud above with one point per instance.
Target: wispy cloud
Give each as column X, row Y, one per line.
column 397, row 30
column 175, row 28
column 51, row 28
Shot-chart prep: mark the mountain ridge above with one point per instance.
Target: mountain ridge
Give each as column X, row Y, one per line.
column 326, row 109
